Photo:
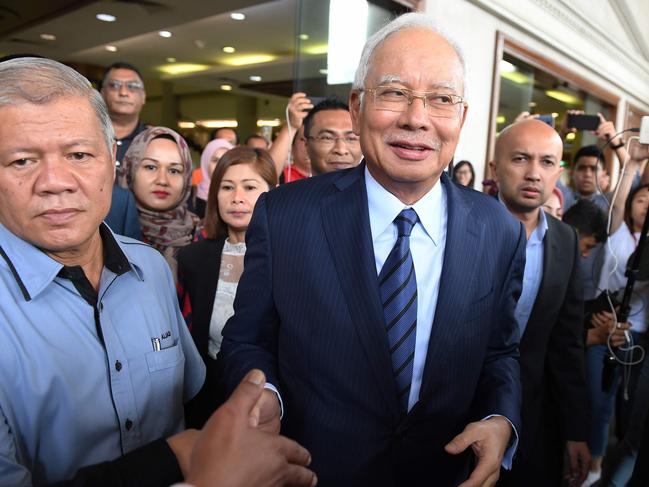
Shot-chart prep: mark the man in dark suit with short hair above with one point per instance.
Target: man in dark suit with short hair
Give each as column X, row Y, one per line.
column 549, row 313
column 380, row 300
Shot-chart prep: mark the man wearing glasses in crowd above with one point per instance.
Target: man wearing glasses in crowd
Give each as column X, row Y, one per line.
column 123, row 91
column 330, row 139
column 379, row 300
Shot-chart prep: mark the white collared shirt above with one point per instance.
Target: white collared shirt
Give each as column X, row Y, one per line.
column 427, row 243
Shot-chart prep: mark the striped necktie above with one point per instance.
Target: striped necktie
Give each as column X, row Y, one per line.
column 398, row 286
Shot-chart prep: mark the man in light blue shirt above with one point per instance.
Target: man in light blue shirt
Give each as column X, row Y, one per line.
column 95, row 359
column 549, row 312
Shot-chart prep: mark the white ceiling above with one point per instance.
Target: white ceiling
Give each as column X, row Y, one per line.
column 200, row 30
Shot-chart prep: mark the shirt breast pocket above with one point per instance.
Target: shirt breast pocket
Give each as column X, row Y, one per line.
column 166, row 375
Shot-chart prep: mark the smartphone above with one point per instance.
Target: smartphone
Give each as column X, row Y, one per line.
column 314, row 101
column 583, row 122
column 549, row 119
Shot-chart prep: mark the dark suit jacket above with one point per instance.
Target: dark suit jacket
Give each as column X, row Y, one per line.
column 555, row 395
column 123, row 217
column 198, row 275
column 308, row 313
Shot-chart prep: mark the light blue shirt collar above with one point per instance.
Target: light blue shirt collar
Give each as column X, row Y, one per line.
column 538, row 234
column 384, row 208
column 32, row 268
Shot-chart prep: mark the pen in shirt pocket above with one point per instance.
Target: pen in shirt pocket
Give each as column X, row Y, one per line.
column 155, row 341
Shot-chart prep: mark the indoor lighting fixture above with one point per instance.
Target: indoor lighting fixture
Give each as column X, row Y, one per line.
column 316, row 49
column 563, row 97
column 265, row 122
column 217, row 124
column 249, row 59
column 186, row 125
column 111, row 48
column 182, row 68
column 229, row 49
column 226, row 87
column 304, row 37
column 164, row 33
column 171, row 59
column 323, row 71
column 516, row 77
column 501, row 119
column 532, row 104
column 506, row 66
column 571, row 136
column 255, row 78
column 237, row 16
column 555, row 114
column 106, row 17
column 48, row 37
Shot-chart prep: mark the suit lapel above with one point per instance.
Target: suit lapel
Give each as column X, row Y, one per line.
column 463, row 248
column 346, row 224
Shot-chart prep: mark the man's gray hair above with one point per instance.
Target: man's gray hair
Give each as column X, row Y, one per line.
column 40, row 81
column 407, row 21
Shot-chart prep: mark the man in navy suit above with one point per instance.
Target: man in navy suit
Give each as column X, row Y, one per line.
column 379, row 300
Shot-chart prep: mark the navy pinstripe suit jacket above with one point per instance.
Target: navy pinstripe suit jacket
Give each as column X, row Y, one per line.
column 308, row 314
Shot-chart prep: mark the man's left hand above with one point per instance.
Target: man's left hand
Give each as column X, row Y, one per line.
column 579, row 456
column 489, row 440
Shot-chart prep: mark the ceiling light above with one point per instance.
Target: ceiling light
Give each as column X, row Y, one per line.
column 226, row 87
column 249, row 59
column 570, row 136
column 171, row 59
column 555, row 114
column 317, row 49
column 111, row 48
column 273, row 122
column 165, row 33
column 532, row 104
column 304, row 37
column 186, row 125
column 215, row 124
column 182, row 68
column 229, row 49
column 562, row 96
column 48, row 37
column 255, row 78
column 237, row 16
column 501, row 119
column 106, row 17
column 516, row 77
column 323, row 71
column 200, row 44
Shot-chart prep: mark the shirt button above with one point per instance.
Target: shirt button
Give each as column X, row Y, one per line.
column 128, row 425
column 118, row 365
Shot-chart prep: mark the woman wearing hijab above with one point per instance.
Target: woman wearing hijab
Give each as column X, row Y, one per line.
column 210, row 156
column 157, row 169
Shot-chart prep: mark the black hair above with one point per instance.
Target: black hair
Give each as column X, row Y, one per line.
column 628, row 207
column 236, row 134
column 587, row 218
column 255, row 136
column 457, row 167
column 329, row 103
column 120, row 65
column 589, row 151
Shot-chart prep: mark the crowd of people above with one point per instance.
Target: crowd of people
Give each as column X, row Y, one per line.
column 338, row 307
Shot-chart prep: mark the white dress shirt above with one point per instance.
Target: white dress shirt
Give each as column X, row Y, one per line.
column 427, row 243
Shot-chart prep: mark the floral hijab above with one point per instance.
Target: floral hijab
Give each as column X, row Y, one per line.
column 166, row 230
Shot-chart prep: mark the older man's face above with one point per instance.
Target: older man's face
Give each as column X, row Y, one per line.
column 407, row 150
column 56, row 173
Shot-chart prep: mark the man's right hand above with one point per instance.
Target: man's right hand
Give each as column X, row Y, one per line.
column 232, row 451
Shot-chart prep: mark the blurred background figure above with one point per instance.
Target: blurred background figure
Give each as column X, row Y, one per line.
column 209, row 270
column 554, row 203
column 210, row 156
column 257, row 141
column 464, row 174
column 157, row 169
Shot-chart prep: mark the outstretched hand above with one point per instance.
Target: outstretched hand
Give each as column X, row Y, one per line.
column 489, row 440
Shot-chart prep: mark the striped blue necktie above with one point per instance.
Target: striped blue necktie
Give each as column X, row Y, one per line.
column 398, row 286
